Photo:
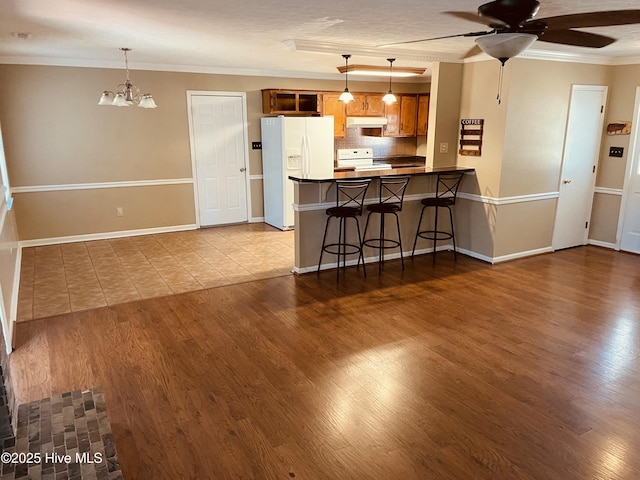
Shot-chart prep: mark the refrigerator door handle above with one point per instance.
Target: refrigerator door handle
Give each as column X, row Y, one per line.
column 306, row 154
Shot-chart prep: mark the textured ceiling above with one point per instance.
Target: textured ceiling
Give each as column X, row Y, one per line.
column 249, row 36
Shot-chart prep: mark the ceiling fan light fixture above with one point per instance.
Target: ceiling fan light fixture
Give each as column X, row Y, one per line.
column 504, row 46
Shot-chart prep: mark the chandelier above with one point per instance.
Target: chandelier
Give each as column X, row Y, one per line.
column 127, row 93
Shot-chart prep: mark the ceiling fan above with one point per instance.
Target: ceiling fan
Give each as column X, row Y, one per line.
column 514, row 28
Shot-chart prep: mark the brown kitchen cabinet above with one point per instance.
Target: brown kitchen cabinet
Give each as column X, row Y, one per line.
column 331, row 105
column 291, row 102
column 401, row 117
column 366, row 105
column 423, row 115
column 408, row 115
column 392, row 114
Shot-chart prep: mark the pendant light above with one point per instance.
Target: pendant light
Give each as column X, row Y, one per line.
column 390, row 98
column 346, row 96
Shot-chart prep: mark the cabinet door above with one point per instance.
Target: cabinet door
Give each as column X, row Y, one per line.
column 408, row 115
column 374, row 106
column 392, row 113
column 332, row 106
column 423, row 115
column 358, row 107
column 290, row 101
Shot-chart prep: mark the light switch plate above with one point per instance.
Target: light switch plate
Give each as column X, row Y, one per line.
column 616, row 152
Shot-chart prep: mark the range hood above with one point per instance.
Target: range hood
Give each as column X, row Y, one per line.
column 366, row 122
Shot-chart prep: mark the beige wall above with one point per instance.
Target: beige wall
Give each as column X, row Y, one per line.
column 536, row 122
column 444, row 106
column 56, row 134
column 522, row 147
column 478, row 101
column 624, row 80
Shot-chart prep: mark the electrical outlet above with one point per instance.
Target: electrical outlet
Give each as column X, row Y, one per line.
column 444, row 148
column 119, row 212
column 616, row 152
column 256, row 145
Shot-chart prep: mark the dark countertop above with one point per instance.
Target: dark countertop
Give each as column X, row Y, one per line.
column 412, row 170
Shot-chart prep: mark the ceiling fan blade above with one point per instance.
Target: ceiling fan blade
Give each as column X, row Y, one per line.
column 576, row 38
column 474, row 17
column 593, row 19
column 470, row 34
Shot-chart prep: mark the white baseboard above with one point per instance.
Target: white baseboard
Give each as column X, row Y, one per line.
column 528, row 253
column 38, row 242
column 13, row 314
column 374, row 259
column 475, row 255
column 598, row 243
column 256, row 220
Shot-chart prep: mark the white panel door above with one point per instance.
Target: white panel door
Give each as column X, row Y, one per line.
column 630, row 238
column 219, row 142
column 581, row 152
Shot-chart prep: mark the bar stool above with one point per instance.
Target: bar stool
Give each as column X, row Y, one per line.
column 446, row 192
column 390, row 198
column 350, row 195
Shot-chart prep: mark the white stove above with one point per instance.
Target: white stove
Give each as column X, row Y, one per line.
column 359, row 158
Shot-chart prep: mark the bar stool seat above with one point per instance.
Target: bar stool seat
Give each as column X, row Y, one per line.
column 446, row 192
column 350, row 195
column 390, row 199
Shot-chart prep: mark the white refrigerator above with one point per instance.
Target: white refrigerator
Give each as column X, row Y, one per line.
column 296, row 146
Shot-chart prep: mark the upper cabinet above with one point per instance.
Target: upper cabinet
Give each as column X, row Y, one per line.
column 423, row 114
column 406, row 118
column 408, row 115
column 291, row 102
column 401, row 117
column 331, row 105
column 366, row 105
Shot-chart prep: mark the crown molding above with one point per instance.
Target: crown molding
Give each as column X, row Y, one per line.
column 156, row 67
column 554, row 56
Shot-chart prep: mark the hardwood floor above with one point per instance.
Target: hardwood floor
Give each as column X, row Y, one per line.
column 523, row 370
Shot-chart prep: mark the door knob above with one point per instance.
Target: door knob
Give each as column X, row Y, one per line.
column 566, row 181
column 243, row 169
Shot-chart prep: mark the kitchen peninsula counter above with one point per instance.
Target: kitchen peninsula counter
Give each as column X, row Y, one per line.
column 312, row 197
column 411, row 170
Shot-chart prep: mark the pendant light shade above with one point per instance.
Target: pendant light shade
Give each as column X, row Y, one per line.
column 346, row 96
column 127, row 94
column 390, row 98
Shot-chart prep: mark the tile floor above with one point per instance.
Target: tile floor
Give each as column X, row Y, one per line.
column 65, row 278
column 74, row 424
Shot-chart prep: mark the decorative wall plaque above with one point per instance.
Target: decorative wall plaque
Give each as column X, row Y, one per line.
column 620, row 127
column 471, row 130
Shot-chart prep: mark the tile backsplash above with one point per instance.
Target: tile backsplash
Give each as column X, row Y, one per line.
column 382, row 146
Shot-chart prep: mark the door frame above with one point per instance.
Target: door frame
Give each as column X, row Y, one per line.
column 633, row 159
column 605, row 90
column 245, row 133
